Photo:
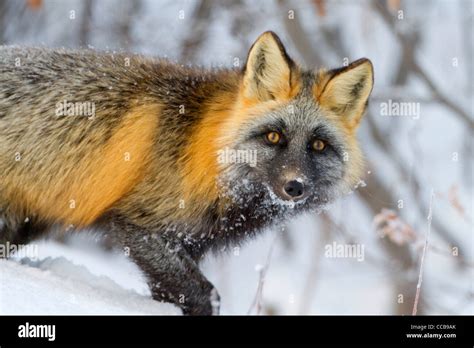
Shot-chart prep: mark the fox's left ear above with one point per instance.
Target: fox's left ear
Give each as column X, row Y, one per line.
column 348, row 90
column 267, row 73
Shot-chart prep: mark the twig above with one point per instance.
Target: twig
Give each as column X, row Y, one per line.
column 425, row 247
column 257, row 301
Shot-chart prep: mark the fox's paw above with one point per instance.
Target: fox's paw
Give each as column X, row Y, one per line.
column 205, row 303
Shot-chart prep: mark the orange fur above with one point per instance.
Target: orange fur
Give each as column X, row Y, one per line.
column 200, row 165
column 105, row 176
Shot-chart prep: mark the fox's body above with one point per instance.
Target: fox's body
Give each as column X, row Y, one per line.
column 144, row 166
column 131, row 155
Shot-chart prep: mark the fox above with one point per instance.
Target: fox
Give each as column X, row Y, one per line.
column 145, row 165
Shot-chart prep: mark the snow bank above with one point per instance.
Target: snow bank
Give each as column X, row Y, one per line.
column 60, row 285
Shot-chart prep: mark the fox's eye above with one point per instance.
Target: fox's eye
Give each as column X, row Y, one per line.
column 319, row 145
column 273, row 137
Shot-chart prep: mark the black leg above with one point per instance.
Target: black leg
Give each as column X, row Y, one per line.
column 173, row 276
column 20, row 231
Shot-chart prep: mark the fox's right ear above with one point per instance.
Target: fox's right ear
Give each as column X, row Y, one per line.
column 267, row 73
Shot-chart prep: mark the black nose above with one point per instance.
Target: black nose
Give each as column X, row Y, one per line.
column 294, row 188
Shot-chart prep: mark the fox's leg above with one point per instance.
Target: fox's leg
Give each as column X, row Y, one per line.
column 17, row 228
column 6, row 232
column 19, row 231
column 173, row 276
column 10, row 227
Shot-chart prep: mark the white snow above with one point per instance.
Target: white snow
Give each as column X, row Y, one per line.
column 72, row 280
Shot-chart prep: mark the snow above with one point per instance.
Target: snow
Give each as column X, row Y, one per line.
column 70, row 280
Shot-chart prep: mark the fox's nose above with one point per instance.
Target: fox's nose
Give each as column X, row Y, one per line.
column 294, row 189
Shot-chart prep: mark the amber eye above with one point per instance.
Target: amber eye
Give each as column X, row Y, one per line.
column 318, row 145
column 273, row 137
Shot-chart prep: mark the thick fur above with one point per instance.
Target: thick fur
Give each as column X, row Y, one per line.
column 143, row 169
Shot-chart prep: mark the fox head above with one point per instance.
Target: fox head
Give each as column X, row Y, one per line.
column 293, row 131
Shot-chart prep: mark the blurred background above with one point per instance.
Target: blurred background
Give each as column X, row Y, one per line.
column 417, row 137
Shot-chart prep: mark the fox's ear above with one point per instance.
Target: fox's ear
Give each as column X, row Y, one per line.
column 267, row 73
column 348, row 90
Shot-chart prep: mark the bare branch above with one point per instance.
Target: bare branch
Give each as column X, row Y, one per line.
column 418, row 69
column 422, row 262
column 257, row 301
column 197, row 31
column 300, row 39
column 86, row 20
column 125, row 23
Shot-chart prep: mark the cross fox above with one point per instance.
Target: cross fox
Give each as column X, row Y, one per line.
column 160, row 162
